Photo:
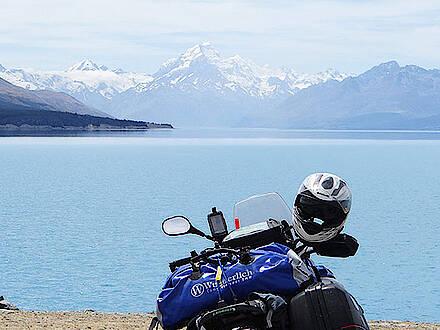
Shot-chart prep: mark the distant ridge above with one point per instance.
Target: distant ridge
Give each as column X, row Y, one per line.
column 387, row 96
column 19, row 98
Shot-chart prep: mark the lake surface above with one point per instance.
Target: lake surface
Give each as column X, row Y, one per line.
column 81, row 215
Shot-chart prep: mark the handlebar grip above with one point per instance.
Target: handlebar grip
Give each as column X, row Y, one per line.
column 181, row 262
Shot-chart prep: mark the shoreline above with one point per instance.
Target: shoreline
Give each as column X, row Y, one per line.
column 11, row 319
column 30, row 128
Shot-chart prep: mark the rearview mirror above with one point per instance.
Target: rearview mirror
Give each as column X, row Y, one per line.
column 177, row 225
column 342, row 246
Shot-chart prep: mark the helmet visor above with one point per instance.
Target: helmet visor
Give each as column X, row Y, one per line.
column 332, row 213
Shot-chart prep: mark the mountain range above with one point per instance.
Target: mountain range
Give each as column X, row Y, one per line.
column 92, row 84
column 387, row 96
column 201, row 88
column 15, row 97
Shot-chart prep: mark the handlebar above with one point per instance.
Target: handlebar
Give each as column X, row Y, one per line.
column 203, row 255
column 178, row 263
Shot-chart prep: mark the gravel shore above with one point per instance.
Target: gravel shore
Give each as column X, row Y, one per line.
column 94, row 320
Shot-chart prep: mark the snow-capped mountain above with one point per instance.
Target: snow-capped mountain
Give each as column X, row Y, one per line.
column 90, row 83
column 202, row 67
column 200, row 87
column 87, row 65
column 197, row 87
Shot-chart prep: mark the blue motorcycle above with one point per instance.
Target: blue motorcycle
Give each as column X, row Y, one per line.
column 257, row 276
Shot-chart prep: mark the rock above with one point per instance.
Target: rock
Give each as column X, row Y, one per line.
column 89, row 310
column 6, row 305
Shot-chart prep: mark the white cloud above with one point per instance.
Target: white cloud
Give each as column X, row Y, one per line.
column 309, row 35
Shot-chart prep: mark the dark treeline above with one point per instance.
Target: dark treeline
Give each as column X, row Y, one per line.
column 20, row 117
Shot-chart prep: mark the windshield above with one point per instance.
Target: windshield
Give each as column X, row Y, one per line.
column 260, row 208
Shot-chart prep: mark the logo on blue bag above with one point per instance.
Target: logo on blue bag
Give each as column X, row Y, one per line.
column 199, row 289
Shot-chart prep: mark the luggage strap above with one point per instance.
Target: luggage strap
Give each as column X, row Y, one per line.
column 154, row 325
column 258, row 312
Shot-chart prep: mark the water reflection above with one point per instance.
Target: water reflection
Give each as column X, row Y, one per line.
column 236, row 133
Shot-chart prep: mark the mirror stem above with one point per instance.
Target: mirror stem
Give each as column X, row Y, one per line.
column 200, row 233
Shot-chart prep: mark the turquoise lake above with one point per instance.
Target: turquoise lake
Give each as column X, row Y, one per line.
column 80, row 216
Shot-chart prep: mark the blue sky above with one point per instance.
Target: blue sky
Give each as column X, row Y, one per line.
column 139, row 35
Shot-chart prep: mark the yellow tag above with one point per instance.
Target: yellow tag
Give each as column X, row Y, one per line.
column 218, row 275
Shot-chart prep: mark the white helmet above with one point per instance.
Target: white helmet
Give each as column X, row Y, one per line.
column 321, row 207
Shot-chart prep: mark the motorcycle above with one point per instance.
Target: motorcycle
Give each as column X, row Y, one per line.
column 258, row 276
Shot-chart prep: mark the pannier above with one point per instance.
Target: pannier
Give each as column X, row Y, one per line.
column 326, row 305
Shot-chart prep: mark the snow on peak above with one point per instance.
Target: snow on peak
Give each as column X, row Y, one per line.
column 198, row 54
column 87, row 65
column 390, row 64
column 2, row 68
column 203, row 49
column 202, row 67
column 332, row 73
column 119, row 71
